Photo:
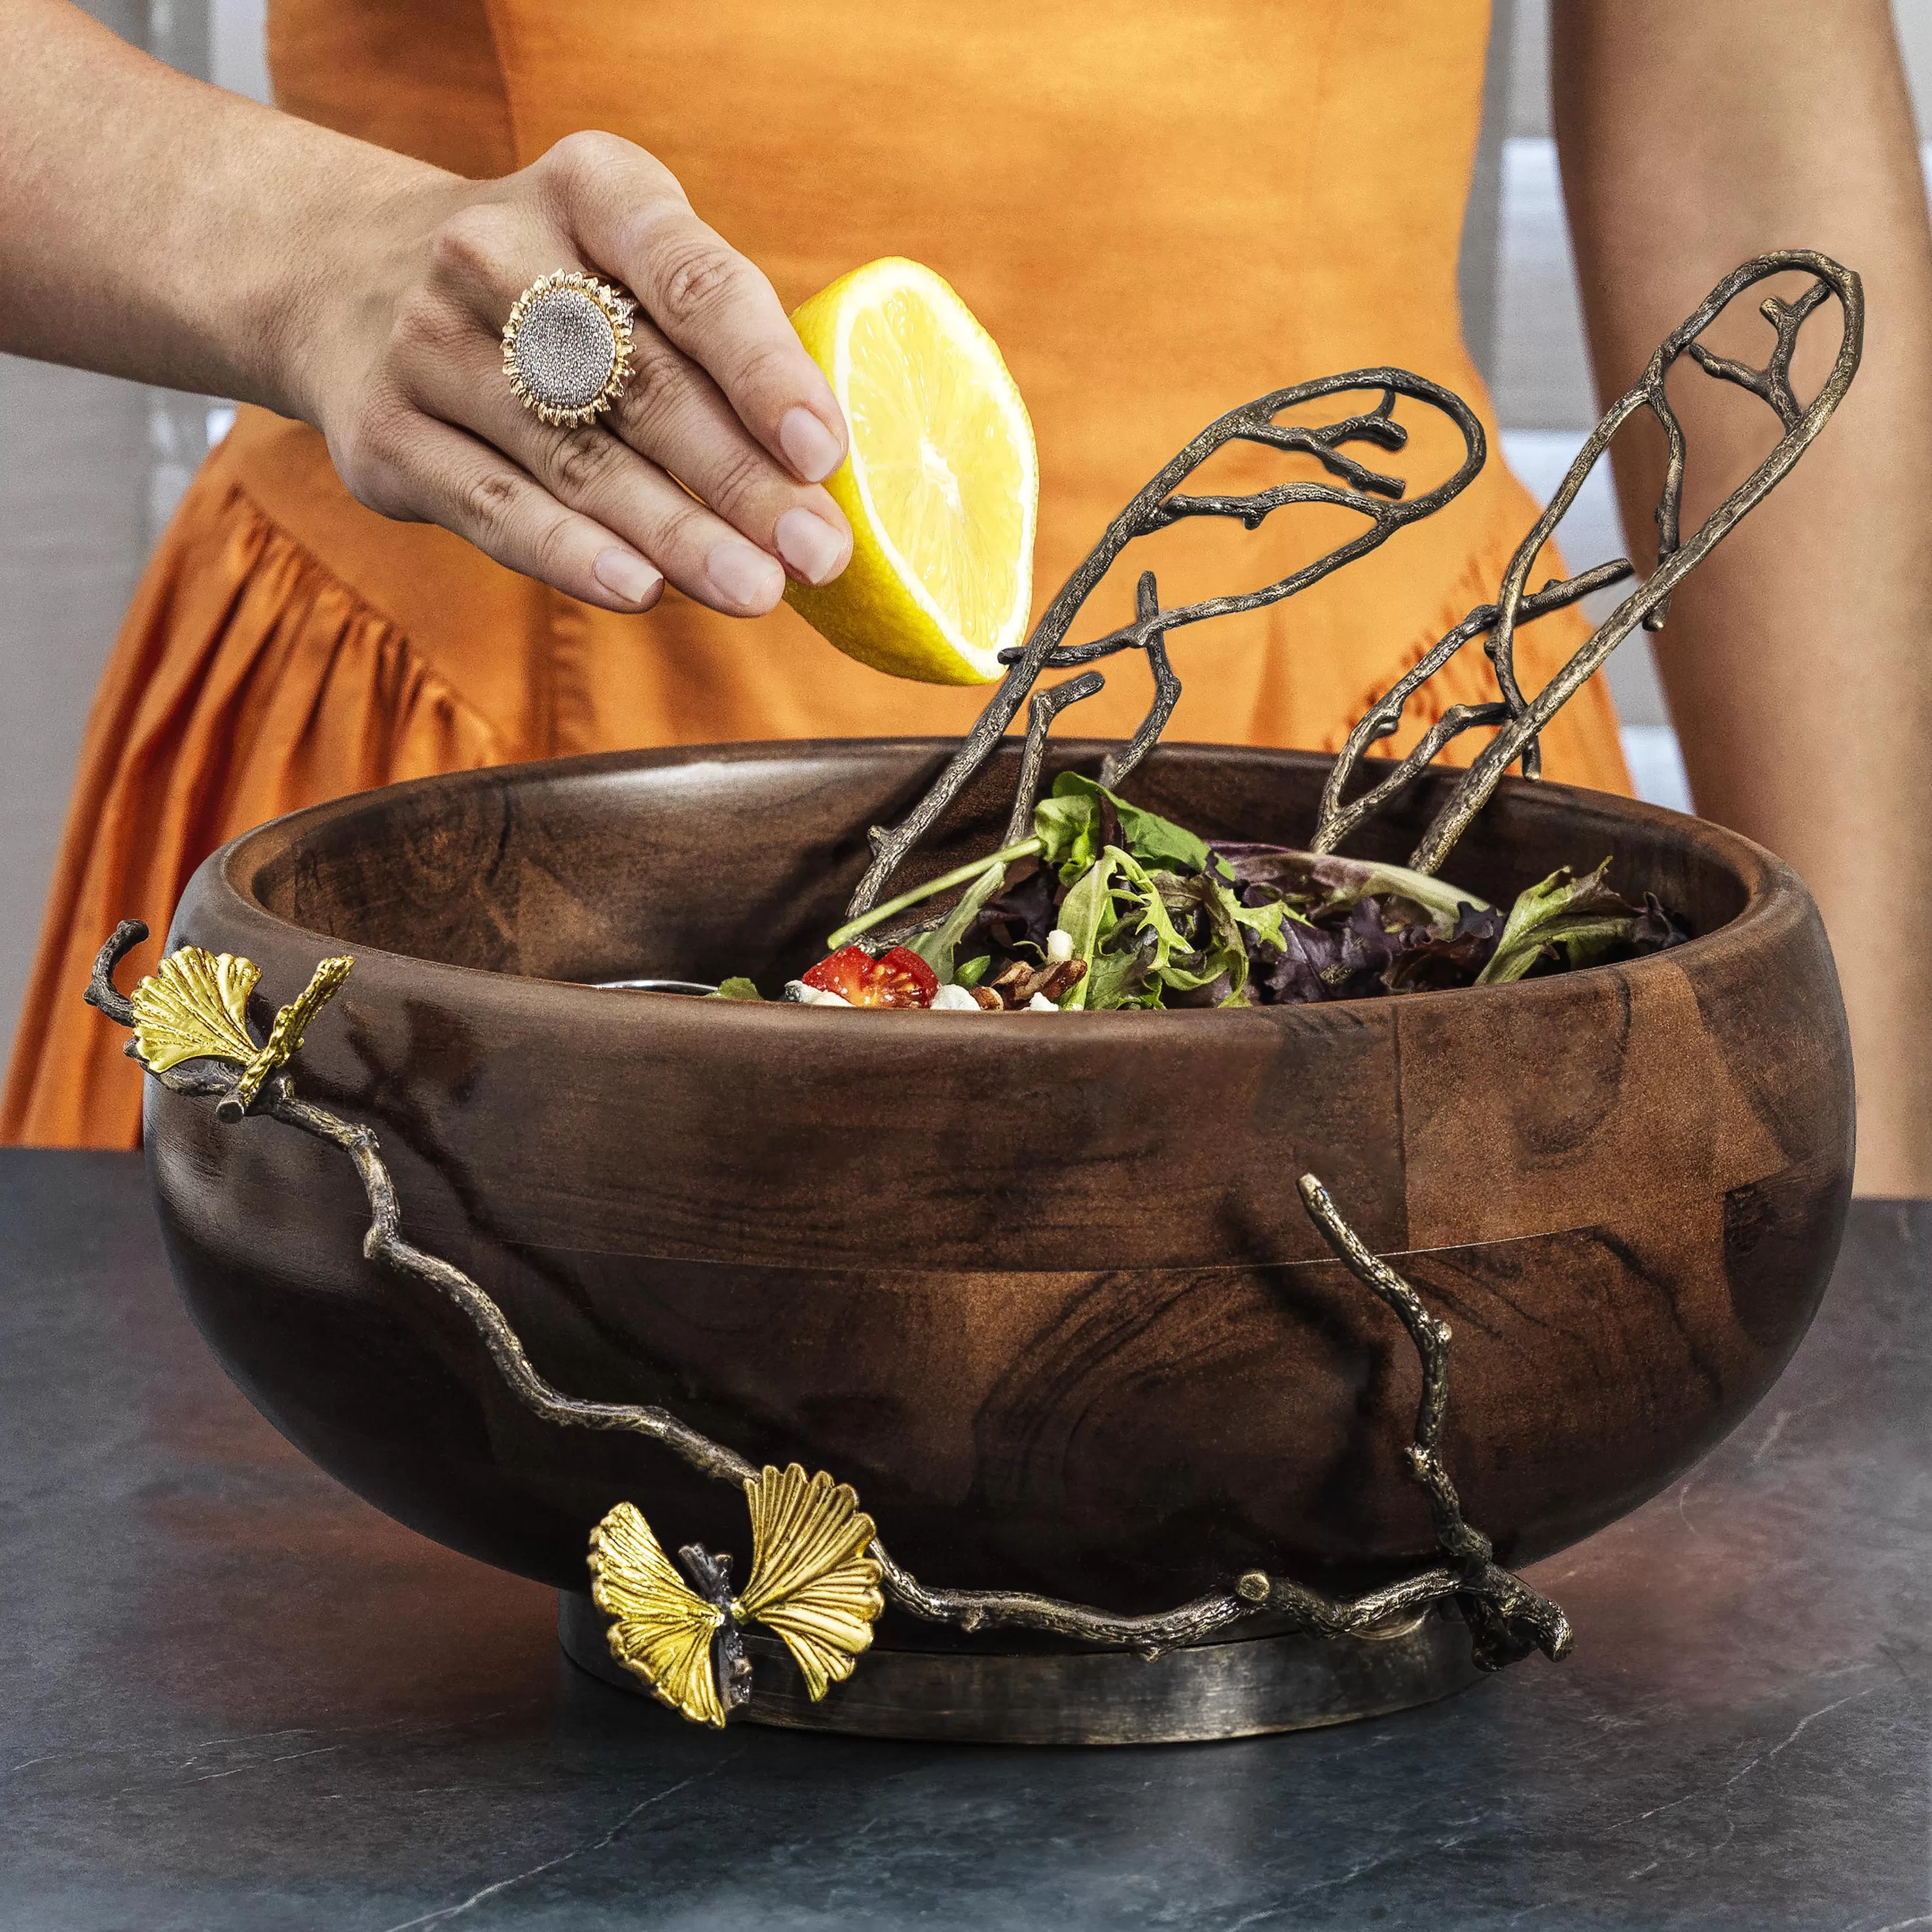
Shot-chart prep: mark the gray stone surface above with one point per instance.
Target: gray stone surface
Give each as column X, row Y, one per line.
column 232, row 1696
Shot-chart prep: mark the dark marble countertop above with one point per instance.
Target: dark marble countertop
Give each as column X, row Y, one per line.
column 232, row 1696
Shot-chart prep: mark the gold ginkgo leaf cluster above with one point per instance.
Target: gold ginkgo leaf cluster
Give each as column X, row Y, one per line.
column 811, row 1583
column 194, row 1006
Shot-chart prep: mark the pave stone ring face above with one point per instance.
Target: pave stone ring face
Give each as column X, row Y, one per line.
column 567, row 347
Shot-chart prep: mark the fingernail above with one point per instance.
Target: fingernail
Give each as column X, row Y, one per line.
column 812, row 546
column 744, row 575
column 810, row 448
column 627, row 576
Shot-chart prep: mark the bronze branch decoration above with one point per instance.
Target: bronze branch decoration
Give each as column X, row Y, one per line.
column 1377, row 497
column 1516, row 718
column 824, row 1571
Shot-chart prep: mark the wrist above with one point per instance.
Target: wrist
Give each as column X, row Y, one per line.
column 350, row 225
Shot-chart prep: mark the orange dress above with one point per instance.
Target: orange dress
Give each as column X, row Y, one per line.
column 1159, row 211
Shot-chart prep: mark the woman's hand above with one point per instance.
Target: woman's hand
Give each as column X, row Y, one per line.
column 215, row 245
column 703, row 472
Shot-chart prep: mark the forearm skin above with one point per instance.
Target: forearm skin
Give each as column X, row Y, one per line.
column 1798, row 661
column 158, row 228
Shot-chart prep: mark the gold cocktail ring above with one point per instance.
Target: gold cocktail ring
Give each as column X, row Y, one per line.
column 567, row 347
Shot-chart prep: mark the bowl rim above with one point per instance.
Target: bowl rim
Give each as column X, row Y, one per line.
column 1774, row 894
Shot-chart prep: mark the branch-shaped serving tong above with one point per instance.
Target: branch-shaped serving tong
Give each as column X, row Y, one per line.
column 1519, row 719
column 1378, row 498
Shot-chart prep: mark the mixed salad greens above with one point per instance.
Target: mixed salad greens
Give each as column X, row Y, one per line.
column 1109, row 905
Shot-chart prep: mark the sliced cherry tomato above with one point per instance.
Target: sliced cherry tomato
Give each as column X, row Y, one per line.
column 900, row 979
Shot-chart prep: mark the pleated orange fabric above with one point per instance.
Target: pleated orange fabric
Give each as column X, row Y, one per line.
column 1159, row 212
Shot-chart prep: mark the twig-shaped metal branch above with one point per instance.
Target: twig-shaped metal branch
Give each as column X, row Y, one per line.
column 1522, row 719
column 1506, row 1617
column 1773, row 382
column 384, row 1242
column 1377, row 498
column 1047, row 705
column 1381, row 719
column 1520, row 735
column 1116, row 765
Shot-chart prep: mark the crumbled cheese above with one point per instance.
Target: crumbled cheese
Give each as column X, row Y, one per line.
column 1059, row 946
column 1040, row 1003
column 956, row 1000
column 813, row 996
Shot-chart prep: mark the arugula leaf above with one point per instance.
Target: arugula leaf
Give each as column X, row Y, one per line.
column 1583, row 916
column 937, row 947
column 1067, row 823
column 1129, row 955
column 1138, row 884
column 736, row 987
column 1264, row 922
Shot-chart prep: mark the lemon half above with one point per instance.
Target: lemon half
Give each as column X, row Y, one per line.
column 942, row 487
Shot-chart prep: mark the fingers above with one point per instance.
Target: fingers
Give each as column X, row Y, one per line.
column 430, row 472
column 631, row 217
column 672, row 410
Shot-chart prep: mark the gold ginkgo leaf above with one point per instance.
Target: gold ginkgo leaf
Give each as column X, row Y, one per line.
column 811, row 1580
column 663, row 1629
column 194, row 1006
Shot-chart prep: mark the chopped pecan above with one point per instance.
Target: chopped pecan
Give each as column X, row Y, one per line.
column 1049, row 982
column 1016, row 982
column 1061, row 977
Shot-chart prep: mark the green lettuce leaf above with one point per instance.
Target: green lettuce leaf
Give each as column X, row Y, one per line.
column 1583, row 916
column 1340, row 881
column 1217, row 918
column 1087, row 915
column 937, row 947
column 1149, row 913
column 1119, row 976
column 738, row 988
column 1067, row 823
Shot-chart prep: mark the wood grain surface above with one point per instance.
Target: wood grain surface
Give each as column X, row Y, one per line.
column 1038, row 1285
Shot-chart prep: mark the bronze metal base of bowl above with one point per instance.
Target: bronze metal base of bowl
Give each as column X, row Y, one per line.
column 1294, row 1682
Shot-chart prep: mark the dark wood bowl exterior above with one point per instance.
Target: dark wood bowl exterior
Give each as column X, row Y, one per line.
column 1040, row 1286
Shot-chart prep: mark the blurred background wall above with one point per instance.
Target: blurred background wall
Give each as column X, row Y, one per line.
column 90, row 467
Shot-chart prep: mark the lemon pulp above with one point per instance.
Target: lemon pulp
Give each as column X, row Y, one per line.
column 941, row 487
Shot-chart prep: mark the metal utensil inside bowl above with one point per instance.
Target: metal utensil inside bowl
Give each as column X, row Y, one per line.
column 697, row 987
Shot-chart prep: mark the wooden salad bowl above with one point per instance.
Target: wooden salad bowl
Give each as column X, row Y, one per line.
column 1038, row 1285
